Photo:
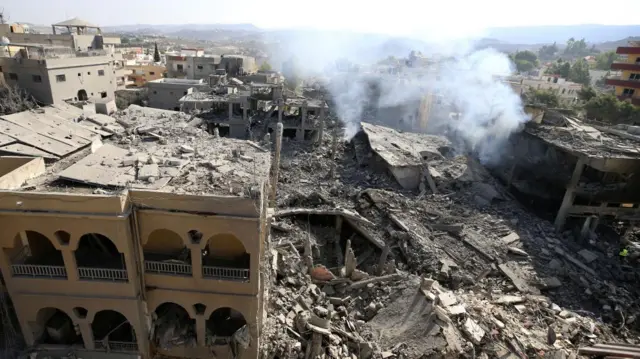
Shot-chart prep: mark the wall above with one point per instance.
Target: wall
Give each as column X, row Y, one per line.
column 138, row 298
column 626, row 74
column 25, row 70
column 167, row 95
column 141, row 74
column 42, row 39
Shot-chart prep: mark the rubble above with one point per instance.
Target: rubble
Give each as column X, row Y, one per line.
column 438, row 274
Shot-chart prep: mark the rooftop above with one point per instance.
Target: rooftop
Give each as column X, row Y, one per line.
column 592, row 141
column 159, row 150
column 76, row 22
column 176, row 81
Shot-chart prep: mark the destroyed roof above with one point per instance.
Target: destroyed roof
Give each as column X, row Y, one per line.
column 53, row 132
column 592, row 141
column 76, row 22
column 299, row 102
column 161, row 150
column 403, row 149
column 203, row 97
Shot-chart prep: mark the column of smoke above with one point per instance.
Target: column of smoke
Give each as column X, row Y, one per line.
column 469, row 81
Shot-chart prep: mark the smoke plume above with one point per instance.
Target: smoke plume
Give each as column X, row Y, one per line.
column 368, row 80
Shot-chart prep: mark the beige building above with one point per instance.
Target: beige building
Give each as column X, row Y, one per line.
column 54, row 80
column 139, row 75
column 198, row 66
column 142, row 271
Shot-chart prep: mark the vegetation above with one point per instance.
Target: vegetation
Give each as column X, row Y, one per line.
column 265, row 66
column 525, row 60
column 547, row 97
column 607, row 108
column 13, row 99
column 156, row 53
column 548, row 52
column 605, row 59
column 578, row 72
column 576, row 48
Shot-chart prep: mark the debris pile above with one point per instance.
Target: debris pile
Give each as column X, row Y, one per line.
column 365, row 268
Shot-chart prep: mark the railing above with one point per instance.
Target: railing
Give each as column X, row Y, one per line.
column 38, row 271
column 103, row 274
column 168, row 268
column 126, row 347
column 224, row 273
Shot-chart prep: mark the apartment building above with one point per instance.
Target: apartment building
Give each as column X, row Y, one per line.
column 627, row 85
column 143, row 271
column 165, row 93
column 80, row 35
column 141, row 74
column 55, row 80
column 199, row 66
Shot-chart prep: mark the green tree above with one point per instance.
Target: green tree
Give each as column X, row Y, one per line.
column 579, row 72
column 525, row 60
column 561, row 68
column 547, row 97
column 605, row 59
column 265, row 66
column 547, row 52
column 586, row 93
column 156, row 53
column 608, row 108
column 576, row 48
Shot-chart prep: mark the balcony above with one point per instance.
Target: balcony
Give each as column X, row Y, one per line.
column 166, row 267
column 38, row 259
column 618, row 81
column 626, row 50
column 116, row 347
column 625, row 66
column 98, row 259
column 225, row 273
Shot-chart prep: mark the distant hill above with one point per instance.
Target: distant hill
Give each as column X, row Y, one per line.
column 612, row 45
column 168, row 29
column 560, row 34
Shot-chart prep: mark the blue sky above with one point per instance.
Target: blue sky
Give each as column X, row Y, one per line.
column 401, row 17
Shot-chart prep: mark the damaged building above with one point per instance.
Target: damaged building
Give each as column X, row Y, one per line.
column 139, row 236
column 585, row 171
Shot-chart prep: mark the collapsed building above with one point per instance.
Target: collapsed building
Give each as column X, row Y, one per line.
column 139, row 236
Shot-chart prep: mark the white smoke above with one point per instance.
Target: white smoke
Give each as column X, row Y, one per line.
column 462, row 80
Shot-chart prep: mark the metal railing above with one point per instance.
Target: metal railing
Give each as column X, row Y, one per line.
column 103, row 274
column 38, row 271
column 236, row 274
column 125, row 347
column 169, row 268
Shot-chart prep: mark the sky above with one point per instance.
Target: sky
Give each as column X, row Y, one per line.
column 397, row 17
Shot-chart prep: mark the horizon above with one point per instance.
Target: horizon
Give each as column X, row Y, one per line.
column 405, row 17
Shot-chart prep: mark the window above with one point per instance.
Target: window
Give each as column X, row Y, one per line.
column 170, row 92
column 179, row 67
column 628, row 92
column 100, row 72
column 61, row 78
column 79, row 74
column 151, row 73
column 155, row 92
column 185, row 92
column 634, row 77
column 637, row 60
column 36, row 78
column 103, row 94
column 13, row 77
column 0, row 68
column 199, row 67
column 88, row 73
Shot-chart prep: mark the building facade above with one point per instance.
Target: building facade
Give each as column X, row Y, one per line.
column 185, row 66
column 166, row 93
column 139, row 75
column 136, row 274
column 53, row 80
column 627, row 85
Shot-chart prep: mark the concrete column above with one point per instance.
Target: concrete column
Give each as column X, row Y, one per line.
column 196, row 262
column 201, row 330
column 87, row 334
column 230, row 111
column 569, row 195
column 70, row 264
column 276, row 164
column 303, row 124
column 244, row 114
column 280, row 109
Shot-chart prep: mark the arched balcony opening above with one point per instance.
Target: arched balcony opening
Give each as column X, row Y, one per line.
column 227, row 326
column 99, row 259
column 34, row 255
column 225, row 258
column 173, row 327
column 55, row 327
column 113, row 332
column 165, row 253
